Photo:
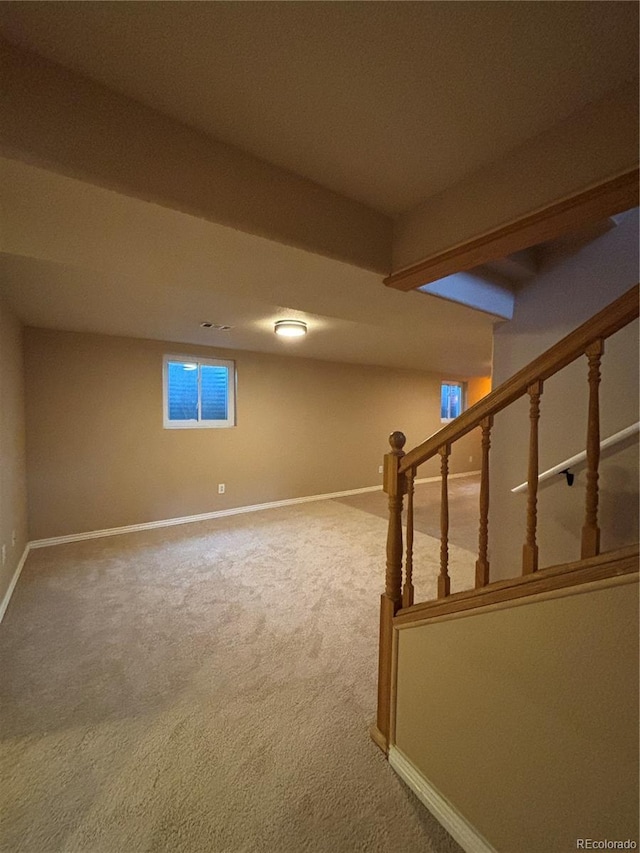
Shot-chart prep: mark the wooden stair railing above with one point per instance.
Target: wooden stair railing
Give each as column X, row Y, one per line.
column 400, row 471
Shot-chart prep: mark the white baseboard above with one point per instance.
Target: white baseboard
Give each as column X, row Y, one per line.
column 187, row 519
column 221, row 513
column 14, row 580
column 444, row 812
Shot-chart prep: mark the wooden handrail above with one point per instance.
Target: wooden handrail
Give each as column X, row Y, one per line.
column 608, row 321
column 396, row 604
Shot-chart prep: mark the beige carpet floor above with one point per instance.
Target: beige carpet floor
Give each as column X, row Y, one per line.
column 464, row 501
column 207, row 687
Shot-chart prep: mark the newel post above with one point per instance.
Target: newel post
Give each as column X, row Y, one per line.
column 391, row 599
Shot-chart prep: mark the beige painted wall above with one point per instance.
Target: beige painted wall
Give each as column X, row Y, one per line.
column 98, row 455
column 526, row 718
column 13, row 482
column 555, row 302
column 590, row 146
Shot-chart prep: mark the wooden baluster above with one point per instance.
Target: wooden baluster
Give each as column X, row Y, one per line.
column 591, row 531
column 444, row 582
column 391, row 599
column 407, row 590
column 482, row 563
column 530, row 548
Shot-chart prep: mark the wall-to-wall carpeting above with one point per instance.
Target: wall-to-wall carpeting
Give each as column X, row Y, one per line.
column 207, row 688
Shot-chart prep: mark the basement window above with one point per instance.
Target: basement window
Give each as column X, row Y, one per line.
column 452, row 398
column 198, row 392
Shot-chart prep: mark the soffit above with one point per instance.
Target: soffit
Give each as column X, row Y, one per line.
column 90, row 259
column 385, row 103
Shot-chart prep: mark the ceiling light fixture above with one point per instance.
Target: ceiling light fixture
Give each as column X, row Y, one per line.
column 290, row 328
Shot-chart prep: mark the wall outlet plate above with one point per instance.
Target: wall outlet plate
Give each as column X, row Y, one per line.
column 221, row 488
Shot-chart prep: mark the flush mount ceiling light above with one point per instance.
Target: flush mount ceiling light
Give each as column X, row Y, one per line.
column 290, row 328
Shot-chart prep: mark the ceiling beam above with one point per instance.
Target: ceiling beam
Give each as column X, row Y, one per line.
column 64, row 122
column 550, row 222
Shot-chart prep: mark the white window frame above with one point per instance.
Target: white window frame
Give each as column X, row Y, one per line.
column 463, row 397
column 229, row 421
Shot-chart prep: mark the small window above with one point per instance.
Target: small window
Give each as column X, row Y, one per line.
column 451, row 400
column 198, row 392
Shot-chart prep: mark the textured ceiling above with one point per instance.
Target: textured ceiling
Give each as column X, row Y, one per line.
column 386, row 103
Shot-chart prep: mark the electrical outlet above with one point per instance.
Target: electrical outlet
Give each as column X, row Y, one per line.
column 4, row 554
column 13, row 538
column 471, row 459
column 221, row 488
column 379, row 469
